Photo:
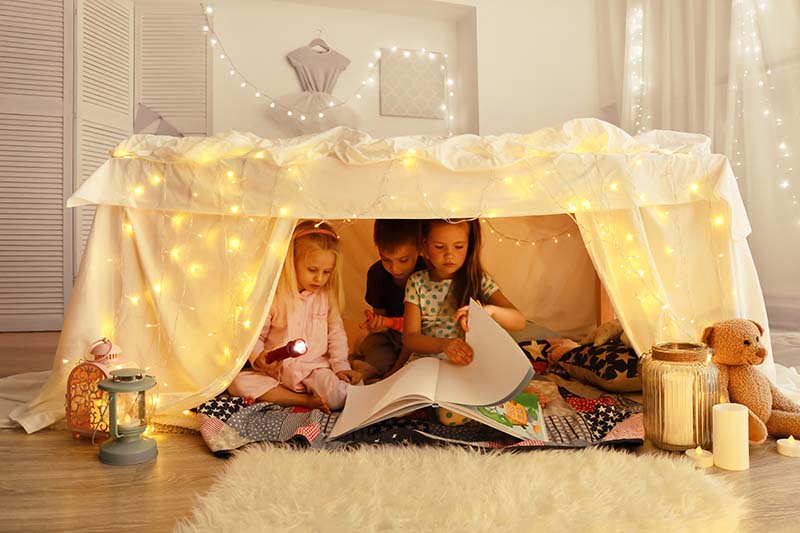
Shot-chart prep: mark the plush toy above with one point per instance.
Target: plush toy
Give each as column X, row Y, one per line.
column 606, row 332
column 737, row 350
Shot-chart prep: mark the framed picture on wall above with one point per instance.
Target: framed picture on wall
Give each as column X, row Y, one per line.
column 412, row 84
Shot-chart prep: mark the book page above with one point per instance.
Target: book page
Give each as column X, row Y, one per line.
column 499, row 369
column 415, row 381
column 399, row 408
column 521, row 416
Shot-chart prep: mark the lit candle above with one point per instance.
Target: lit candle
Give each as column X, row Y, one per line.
column 129, row 423
column 789, row 447
column 678, row 410
column 700, row 457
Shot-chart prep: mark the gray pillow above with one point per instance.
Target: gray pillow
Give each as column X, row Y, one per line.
column 533, row 331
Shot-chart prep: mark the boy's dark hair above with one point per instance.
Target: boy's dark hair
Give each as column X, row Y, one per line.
column 391, row 234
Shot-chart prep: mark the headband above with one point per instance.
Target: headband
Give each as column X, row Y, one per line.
column 309, row 231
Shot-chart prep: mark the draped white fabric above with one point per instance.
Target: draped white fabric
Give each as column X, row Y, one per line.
column 728, row 69
column 190, row 236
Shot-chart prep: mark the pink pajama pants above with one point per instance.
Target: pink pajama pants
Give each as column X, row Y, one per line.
column 321, row 381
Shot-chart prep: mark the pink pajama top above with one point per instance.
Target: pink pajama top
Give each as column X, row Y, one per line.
column 310, row 319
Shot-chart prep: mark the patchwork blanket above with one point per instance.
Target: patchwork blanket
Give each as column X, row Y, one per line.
column 576, row 416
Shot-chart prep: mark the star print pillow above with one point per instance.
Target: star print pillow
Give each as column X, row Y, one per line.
column 612, row 366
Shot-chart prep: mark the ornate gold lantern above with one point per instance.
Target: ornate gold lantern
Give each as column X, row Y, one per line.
column 86, row 404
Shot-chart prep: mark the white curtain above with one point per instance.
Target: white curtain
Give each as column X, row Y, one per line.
column 729, row 69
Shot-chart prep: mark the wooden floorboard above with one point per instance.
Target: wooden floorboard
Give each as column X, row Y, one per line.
column 50, row 482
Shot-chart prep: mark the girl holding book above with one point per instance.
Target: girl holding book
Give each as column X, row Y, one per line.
column 306, row 305
column 437, row 299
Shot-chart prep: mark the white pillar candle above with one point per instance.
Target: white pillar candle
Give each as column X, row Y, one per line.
column 678, row 409
column 730, row 435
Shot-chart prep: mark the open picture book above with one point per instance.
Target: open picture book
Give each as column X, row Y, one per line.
column 489, row 389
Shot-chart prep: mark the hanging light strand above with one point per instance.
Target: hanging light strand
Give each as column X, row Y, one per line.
column 637, row 82
column 520, row 241
column 318, row 114
column 752, row 71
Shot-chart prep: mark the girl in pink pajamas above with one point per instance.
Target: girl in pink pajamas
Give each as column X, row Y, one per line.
column 306, row 305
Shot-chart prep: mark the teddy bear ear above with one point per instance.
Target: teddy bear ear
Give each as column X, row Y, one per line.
column 707, row 334
column 759, row 326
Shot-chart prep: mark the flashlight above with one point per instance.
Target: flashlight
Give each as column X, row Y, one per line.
column 294, row 348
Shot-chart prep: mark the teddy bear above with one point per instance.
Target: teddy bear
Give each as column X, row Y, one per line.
column 737, row 351
column 606, row 332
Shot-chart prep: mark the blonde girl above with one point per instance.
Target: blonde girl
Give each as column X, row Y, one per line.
column 306, row 305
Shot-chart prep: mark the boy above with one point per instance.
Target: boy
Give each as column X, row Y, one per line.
column 398, row 243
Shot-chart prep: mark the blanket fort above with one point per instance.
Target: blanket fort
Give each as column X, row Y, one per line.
column 190, row 234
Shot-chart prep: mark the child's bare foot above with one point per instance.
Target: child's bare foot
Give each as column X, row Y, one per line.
column 316, row 402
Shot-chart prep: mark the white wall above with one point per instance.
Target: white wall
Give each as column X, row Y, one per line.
column 258, row 34
column 537, row 63
column 537, row 60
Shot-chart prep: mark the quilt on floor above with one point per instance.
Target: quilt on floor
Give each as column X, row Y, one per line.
column 576, row 416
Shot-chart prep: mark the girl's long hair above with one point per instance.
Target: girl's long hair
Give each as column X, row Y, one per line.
column 467, row 279
column 304, row 244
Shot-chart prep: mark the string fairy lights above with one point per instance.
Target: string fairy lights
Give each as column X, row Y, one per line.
column 637, row 83
column 751, row 89
column 752, row 76
column 319, row 113
column 227, row 249
column 520, row 241
column 208, row 243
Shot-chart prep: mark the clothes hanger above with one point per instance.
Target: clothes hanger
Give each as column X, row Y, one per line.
column 317, row 41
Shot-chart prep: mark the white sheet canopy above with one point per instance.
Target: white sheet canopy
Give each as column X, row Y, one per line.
column 190, row 235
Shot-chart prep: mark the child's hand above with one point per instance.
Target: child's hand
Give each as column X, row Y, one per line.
column 271, row 369
column 350, row 376
column 373, row 323
column 458, row 351
column 462, row 315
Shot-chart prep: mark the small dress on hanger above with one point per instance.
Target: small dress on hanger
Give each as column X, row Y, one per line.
column 317, row 72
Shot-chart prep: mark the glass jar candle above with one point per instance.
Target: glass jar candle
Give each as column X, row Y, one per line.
column 680, row 385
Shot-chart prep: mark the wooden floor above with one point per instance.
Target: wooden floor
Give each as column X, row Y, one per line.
column 49, row 482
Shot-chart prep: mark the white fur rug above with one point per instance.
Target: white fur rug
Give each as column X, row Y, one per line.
column 452, row 489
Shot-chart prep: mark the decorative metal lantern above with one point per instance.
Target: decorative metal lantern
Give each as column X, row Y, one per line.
column 85, row 402
column 680, row 386
column 127, row 418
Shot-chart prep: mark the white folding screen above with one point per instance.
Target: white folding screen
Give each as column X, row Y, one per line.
column 67, row 97
column 35, row 162
column 104, row 92
column 172, row 64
